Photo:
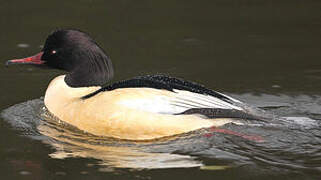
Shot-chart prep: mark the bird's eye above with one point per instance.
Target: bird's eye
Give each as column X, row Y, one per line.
column 53, row 52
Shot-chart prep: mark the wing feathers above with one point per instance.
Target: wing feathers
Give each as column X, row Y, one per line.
column 173, row 102
column 196, row 100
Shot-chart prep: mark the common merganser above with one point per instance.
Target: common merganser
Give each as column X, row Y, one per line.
column 140, row 108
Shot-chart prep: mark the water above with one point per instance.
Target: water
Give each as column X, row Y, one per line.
column 279, row 146
column 265, row 53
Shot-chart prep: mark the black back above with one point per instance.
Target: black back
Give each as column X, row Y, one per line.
column 161, row 82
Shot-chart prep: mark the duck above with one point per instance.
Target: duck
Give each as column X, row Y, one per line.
column 140, row 108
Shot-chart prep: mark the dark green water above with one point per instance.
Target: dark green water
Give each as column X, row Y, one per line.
column 266, row 53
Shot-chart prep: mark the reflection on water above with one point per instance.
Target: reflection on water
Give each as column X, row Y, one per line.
column 32, row 119
column 111, row 152
column 291, row 143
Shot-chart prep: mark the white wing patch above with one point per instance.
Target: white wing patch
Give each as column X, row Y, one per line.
column 177, row 102
column 195, row 100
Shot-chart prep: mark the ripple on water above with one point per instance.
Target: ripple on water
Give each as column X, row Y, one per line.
column 290, row 143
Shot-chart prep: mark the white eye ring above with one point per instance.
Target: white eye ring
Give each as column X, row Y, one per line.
column 53, row 52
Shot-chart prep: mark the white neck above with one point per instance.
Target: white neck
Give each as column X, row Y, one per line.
column 58, row 94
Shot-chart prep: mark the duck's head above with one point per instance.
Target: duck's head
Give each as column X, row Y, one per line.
column 77, row 53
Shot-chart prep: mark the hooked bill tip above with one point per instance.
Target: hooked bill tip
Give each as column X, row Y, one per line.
column 8, row 63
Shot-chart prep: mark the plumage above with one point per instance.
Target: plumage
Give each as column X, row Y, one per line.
column 144, row 107
column 126, row 113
